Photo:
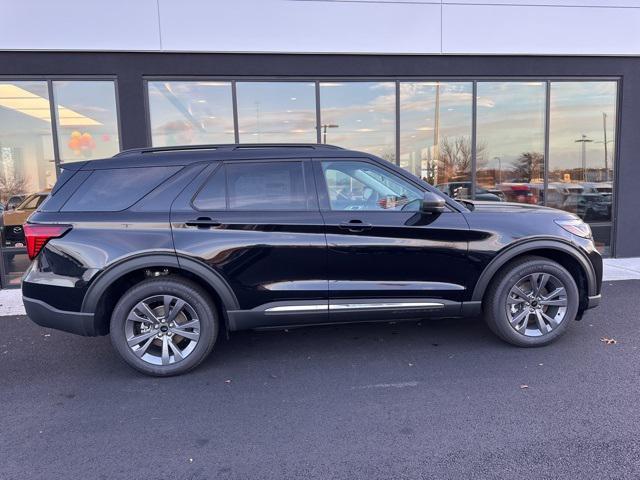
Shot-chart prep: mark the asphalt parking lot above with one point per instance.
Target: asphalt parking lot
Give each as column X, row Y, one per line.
column 439, row 399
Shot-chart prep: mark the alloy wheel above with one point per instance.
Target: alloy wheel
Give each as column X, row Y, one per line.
column 162, row 329
column 537, row 304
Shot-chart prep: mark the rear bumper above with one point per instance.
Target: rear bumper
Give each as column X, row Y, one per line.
column 47, row 316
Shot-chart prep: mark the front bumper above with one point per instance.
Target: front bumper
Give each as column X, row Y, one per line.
column 47, row 316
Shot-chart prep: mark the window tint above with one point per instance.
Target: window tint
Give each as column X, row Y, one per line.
column 364, row 186
column 266, row 186
column 213, row 195
column 116, row 189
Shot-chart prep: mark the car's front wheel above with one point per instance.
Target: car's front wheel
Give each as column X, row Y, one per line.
column 531, row 302
column 164, row 326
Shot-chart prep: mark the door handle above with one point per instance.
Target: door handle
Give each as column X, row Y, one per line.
column 203, row 222
column 355, row 226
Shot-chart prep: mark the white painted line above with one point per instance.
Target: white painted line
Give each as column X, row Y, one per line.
column 387, row 385
column 11, row 302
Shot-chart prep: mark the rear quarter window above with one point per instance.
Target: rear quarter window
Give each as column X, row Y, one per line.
column 116, row 189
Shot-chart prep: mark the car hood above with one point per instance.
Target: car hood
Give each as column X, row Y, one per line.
column 508, row 207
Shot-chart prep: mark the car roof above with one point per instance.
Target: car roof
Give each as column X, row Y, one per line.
column 188, row 154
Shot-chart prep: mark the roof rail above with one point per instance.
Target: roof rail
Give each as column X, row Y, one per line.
column 226, row 146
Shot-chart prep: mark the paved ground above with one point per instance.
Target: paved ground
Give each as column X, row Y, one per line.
column 438, row 400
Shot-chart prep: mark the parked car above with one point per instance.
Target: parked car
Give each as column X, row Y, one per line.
column 518, row 192
column 14, row 219
column 166, row 249
column 453, row 189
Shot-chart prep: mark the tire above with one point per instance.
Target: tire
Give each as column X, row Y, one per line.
column 166, row 347
column 517, row 281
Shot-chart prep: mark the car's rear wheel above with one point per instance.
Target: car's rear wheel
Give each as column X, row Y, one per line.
column 164, row 326
column 531, row 302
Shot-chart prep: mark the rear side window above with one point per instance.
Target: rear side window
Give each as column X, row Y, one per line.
column 254, row 186
column 116, row 189
column 266, row 186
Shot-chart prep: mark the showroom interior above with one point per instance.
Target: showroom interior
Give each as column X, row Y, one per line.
column 550, row 131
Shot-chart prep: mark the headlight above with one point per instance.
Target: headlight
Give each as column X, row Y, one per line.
column 576, row 226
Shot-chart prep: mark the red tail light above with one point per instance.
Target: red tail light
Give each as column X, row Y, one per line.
column 38, row 235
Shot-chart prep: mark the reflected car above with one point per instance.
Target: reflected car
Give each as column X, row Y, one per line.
column 463, row 190
column 592, row 201
column 518, row 192
column 14, row 201
column 13, row 220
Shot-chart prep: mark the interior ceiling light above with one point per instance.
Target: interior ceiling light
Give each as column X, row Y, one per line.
column 27, row 103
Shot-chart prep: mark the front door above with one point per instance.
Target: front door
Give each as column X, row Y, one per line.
column 257, row 224
column 385, row 257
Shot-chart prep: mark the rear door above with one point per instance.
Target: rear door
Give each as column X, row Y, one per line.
column 257, row 223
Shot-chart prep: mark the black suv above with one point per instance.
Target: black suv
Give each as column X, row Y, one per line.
column 167, row 248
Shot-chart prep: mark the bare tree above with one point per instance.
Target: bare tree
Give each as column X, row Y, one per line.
column 455, row 156
column 10, row 185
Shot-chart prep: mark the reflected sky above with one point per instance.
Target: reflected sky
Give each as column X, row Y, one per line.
column 187, row 113
column 511, row 123
column 433, row 113
column 272, row 112
column 577, row 109
column 360, row 116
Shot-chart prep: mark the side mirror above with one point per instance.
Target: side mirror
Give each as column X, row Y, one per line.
column 432, row 203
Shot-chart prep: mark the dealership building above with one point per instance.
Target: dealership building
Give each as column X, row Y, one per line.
column 534, row 101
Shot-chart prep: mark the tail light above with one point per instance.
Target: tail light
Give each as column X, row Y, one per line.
column 37, row 235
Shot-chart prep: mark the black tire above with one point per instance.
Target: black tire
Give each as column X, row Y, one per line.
column 198, row 301
column 497, row 311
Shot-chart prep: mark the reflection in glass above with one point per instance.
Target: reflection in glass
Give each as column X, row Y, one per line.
column 359, row 116
column 274, row 112
column 582, row 153
column 87, row 119
column 188, row 113
column 435, row 133
column 26, row 153
column 510, row 145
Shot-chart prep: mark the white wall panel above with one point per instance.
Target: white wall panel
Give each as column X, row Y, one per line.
column 284, row 26
column 553, row 3
column 79, row 25
column 540, row 30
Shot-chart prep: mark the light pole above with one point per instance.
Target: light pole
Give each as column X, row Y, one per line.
column 584, row 140
column 324, row 130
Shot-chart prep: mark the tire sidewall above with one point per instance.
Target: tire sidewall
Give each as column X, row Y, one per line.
column 188, row 292
column 499, row 320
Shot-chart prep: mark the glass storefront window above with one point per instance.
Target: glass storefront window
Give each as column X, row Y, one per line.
column 273, row 112
column 87, row 119
column 190, row 113
column 582, row 153
column 435, row 133
column 511, row 140
column 359, row 116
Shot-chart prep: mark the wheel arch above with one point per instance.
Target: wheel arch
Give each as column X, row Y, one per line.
column 557, row 250
column 102, row 288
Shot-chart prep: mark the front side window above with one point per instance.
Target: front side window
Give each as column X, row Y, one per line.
column 364, row 186
column 266, row 186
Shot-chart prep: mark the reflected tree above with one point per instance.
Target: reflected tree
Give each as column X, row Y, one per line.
column 455, row 157
column 528, row 167
column 12, row 184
